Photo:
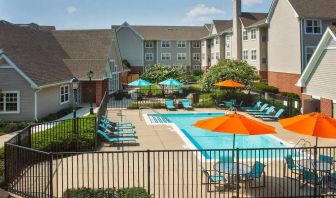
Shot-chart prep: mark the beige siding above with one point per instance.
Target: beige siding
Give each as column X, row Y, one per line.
column 263, row 48
column 228, row 46
column 284, row 40
column 10, row 80
column 131, row 46
column 217, row 49
column 322, row 80
column 48, row 101
column 204, row 54
column 252, row 44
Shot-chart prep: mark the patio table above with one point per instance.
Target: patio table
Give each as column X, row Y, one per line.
column 231, row 169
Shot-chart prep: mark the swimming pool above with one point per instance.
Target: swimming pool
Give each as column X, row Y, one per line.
column 203, row 140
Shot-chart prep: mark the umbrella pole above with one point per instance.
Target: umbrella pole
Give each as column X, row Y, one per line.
column 233, row 147
column 316, row 141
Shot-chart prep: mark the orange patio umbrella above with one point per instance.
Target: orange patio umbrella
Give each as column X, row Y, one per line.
column 235, row 124
column 230, row 83
column 313, row 124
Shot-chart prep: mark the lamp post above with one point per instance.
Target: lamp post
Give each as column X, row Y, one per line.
column 75, row 85
column 90, row 75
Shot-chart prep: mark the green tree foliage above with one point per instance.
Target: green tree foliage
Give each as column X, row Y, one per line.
column 159, row 73
column 239, row 71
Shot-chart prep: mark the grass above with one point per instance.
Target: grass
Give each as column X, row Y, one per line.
column 107, row 193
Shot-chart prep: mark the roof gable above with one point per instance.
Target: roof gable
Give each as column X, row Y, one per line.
column 315, row 8
column 308, row 72
column 250, row 18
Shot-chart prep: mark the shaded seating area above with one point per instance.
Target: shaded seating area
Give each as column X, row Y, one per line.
column 186, row 104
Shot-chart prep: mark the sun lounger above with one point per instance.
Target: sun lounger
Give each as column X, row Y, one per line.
column 117, row 133
column 268, row 112
column 274, row 117
column 255, row 107
column 116, row 139
column 259, row 110
column 116, row 127
column 170, row 104
column 116, row 123
column 186, row 105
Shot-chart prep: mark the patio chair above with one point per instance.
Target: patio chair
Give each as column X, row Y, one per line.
column 115, row 123
column 225, row 159
column 170, row 105
column 274, row 117
column 116, row 127
column 257, row 172
column 326, row 159
column 255, row 107
column 186, row 104
column 240, row 105
column 310, row 177
column 268, row 112
column 117, row 133
column 116, row 139
column 258, row 110
column 213, row 178
column 294, row 168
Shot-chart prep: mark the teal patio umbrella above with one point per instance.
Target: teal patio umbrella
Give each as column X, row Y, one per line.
column 171, row 82
column 140, row 83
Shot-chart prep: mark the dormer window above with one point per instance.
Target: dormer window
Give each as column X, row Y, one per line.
column 313, row 26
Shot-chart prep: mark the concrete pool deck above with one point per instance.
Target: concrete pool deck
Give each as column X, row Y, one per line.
column 164, row 137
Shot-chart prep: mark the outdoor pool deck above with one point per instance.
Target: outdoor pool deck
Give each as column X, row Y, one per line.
column 163, row 137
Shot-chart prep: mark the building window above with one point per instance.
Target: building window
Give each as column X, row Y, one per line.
column 196, row 44
column 165, row 44
column 197, row 67
column 253, row 34
column 245, row 54
column 203, row 56
column 313, row 26
column 245, row 35
column 149, row 56
column 149, row 44
column 228, row 55
column 212, row 43
column 212, row 56
column 253, row 54
column 9, row 102
column 203, row 43
column 181, row 56
column 217, row 40
column 227, row 41
column 165, row 56
column 64, row 94
column 309, row 51
column 181, row 44
column 197, row 56
column 217, row 55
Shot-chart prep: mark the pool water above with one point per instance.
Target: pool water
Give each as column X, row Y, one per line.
column 204, row 140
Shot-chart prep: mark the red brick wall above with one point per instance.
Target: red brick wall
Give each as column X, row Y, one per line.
column 305, row 97
column 137, row 69
column 326, row 106
column 263, row 75
column 88, row 91
column 284, row 81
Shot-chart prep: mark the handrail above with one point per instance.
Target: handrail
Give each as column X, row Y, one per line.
column 304, row 143
column 148, row 108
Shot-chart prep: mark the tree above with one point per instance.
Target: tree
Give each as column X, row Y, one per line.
column 159, row 73
column 239, row 71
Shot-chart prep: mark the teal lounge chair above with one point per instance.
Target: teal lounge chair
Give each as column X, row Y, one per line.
column 268, row 112
column 117, row 139
column 310, row 177
column 296, row 169
column 255, row 107
column 257, row 172
column 170, row 104
column 116, row 123
column 225, row 159
column 116, row 127
column 275, row 117
column 326, row 159
column 117, row 133
column 258, row 110
column 213, row 178
column 240, row 105
column 186, row 105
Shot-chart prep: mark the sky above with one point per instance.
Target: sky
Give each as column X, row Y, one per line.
column 97, row 14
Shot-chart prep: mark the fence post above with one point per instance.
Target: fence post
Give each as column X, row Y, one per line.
column 237, row 174
column 51, row 174
column 148, row 171
column 315, row 171
column 6, row 166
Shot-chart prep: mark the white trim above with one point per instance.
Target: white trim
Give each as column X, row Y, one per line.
column 166, row 41
column 30, row 81
column 152, row 56
column 305, row 26
column 256, row 54
column 183, row 55
column 6, row 67
column 166, row 54
column 302, row 82
column 305, row 53
column 181, row 42
column 18, row 100
column 247, row 37
column 316, row 97
column 253, row 29
column 151, row 46
column 67, row 101
column 245, row 50
column 199, row 55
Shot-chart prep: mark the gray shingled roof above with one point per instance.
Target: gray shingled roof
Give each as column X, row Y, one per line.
column 333, row 29
column 222, row 25
column 315, row 8
column 250, row 18
column 37, row 53
column 171, row 32
column 80, row 67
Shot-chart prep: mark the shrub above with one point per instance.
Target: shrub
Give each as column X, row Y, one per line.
column 107, row 193
column 235, row 70
column 57, row 115
column 291, row 95
column 264, row 87
column 159, row 73
column 149, row 105
column 8, row 127
column 191, row 89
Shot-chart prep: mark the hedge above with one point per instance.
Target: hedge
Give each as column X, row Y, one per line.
column 9, row 127
column 106, row 193
column 149, row 105
column 265, row 88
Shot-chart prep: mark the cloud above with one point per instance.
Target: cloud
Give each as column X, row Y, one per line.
column 252, row 2
column 71, row 10
column 201, row 13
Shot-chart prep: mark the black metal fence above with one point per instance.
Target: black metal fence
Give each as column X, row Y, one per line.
column 278, row 172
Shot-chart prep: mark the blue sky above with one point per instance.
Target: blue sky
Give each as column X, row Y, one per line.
column 89, row 14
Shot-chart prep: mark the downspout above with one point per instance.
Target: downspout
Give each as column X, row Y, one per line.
column 35, row 104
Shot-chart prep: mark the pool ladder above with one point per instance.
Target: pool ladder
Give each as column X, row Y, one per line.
column 305, row 144
column 148, row 108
